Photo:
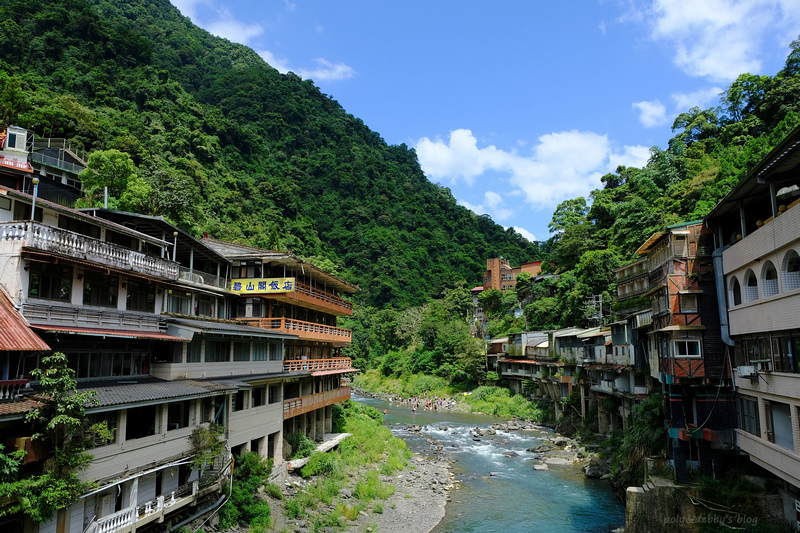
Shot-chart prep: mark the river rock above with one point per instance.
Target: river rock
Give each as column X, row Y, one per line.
column 557, row 461
column 594, row 466
column 540, row 466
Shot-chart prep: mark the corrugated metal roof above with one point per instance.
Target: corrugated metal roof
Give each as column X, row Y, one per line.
column 97, row 332
column 15, row 333
column 137, row 391
column 185, row 328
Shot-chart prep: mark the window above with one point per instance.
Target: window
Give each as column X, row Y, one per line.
column 194, row 350
column 769, row 280
column 238, row 400
column 142, row 422
column 205, row 305
column 748, row 415
column 790, row 272
column 213, row 409
column 241, row 351
column 275, row 351
column 179, row 302
column 217, row 351
column 736, row 292
column 110, row 419
column 108, row 364
column 259, row 395
column 688, row 303
column 5, row 204
column 100, row 290
column 50, row 282
column 259, row 351
column 750, row 286
column 275, row 393
column 779, row 424
column 178, row 415
column 687, row 348
column 141, row 296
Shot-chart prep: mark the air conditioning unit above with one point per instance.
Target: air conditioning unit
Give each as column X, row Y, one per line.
column 746, row 371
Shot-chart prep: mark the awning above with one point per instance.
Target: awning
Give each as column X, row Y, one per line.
column 97, row 332
column 336, row 371
column 15, row 333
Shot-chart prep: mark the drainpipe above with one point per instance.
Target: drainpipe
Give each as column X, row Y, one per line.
column 721, row 304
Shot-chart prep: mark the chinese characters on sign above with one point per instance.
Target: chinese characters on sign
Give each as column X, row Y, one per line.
column 263, row 285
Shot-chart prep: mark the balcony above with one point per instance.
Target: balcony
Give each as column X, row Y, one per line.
column 317, row 364
column 314, row 298
column 10, row 389
column 55, row 314
column 312, row 402
column 201, row 279
column 38, row 237
column 307, row 331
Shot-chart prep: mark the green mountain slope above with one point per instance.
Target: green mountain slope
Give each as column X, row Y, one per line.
column 230, row 146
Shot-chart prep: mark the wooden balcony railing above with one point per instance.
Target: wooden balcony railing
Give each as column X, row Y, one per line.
column 304, row 330
column 70, row 244
column 9, row 389
column 304, row 404
column 317, row 364
column 323, row 296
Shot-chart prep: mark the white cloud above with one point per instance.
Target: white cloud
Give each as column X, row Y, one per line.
column 492, row 205
column 281, row 65
column 720, row 39
column 704, row 98
column 227, row 27
column 633, row 156
column 525, row 233
column 562, row 165
column 651, row 114
column 188, row 7
column 327, row 71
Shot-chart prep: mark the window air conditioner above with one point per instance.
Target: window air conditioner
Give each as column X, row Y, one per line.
column 746, row 371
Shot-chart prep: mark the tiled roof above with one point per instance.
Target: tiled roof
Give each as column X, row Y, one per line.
column 10, row 409
column 122, row 392
column 97, row 332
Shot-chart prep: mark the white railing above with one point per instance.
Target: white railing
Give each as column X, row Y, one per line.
column 116, row 521
column 70, row 244
column 9, row 389
column 201, row 278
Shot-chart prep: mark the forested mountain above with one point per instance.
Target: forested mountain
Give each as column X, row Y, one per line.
column 224, row 143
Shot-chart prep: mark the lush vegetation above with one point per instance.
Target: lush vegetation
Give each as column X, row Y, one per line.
column 62, row 429
column 221, row 142
column 244, row 507
column 370, row 450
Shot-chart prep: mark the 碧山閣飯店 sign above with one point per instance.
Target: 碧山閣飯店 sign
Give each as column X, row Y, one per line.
column 263, row 285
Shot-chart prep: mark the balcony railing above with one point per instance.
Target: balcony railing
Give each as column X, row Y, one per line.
column 9, row 389
column 299, row 406
column 58, row 314
column 317, row 364
column 67, row 243
column 56, row 162
column 305, row 330
column 201, row 278
column 324, row 296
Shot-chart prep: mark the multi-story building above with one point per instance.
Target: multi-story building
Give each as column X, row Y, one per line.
column 502, row 276
column 686, row 353
column 756, row 229
column 165, row 329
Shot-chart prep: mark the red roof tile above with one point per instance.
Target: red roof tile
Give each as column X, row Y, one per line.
column 125, row 333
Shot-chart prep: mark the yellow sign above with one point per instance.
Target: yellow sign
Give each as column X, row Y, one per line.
column 262, row 285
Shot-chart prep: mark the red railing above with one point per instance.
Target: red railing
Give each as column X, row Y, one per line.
column 317, row 364
column 305, row 330
column 298, row 406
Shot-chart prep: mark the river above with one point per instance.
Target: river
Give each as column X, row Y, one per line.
column 505, row 494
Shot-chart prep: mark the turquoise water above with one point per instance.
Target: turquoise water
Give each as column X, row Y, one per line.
column 505, row 494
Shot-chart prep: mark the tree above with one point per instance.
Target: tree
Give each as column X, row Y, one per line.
column 115, row 170
column 568, row 213
column 61, row 424
column 522, row 287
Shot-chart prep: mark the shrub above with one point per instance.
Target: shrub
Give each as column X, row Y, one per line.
column 302, row 446
column 322, row 463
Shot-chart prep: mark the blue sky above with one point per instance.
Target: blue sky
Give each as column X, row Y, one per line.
column 515, row 105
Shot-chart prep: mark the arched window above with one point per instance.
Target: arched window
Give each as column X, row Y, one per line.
column 750, row 286
column 769, row 280
column 790, row 271
column 736, row 292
